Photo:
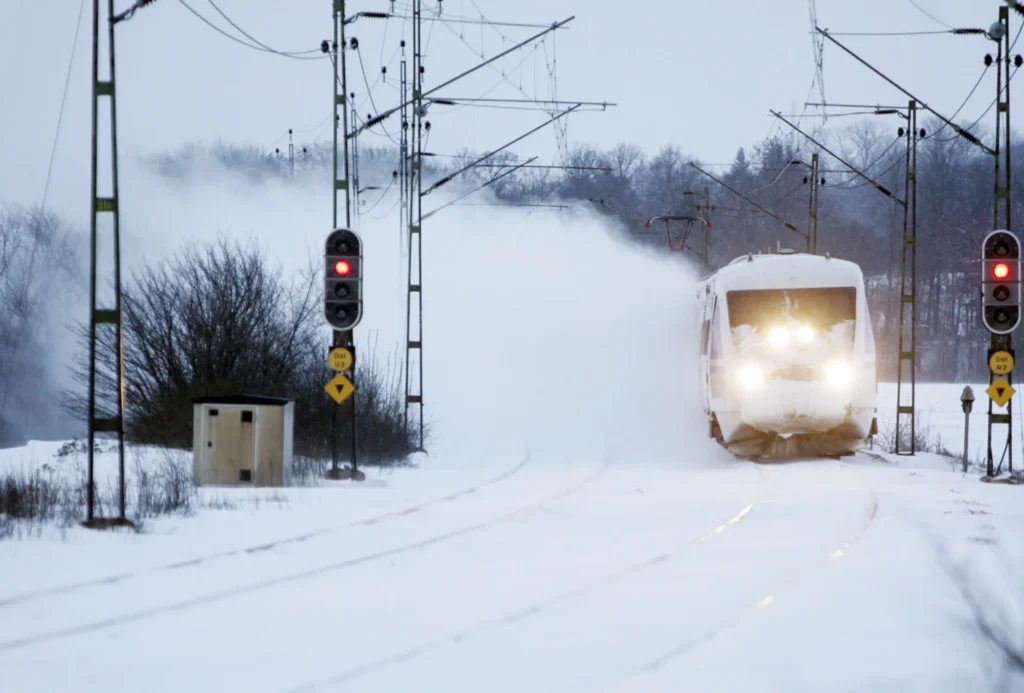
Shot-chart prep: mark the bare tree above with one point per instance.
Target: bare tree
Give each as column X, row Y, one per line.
column 219, row 321
column 36, row 253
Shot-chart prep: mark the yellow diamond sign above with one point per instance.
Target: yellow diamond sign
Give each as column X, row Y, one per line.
column 1000, row 392
column 340, row 388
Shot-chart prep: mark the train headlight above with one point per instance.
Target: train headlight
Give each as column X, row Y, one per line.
column 837, row 374
column 805, row 334
column 751, row 376
column 778, row 336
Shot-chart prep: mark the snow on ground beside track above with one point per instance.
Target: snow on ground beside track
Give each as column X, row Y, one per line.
column 882, row 610
column 591, row 575
column 940, row 416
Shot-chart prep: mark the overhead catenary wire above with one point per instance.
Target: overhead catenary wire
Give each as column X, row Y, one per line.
column 130, row 12
column 63, row 102
column 298, row 55
column 981, row 117
column 928, row 14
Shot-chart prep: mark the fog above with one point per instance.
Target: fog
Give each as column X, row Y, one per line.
column 546, row 331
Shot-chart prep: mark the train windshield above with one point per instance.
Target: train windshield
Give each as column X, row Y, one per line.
column 819, row 309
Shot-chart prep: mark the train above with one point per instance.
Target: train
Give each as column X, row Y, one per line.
column 787, row 356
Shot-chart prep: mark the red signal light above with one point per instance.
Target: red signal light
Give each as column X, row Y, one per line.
column 1001, row 270
column 342, row 268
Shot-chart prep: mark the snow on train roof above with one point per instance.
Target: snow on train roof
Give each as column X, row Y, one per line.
column 797, row 270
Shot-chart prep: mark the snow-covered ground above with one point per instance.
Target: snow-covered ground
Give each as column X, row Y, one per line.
column 940, row 418
column 572, row 528
column 529, row 572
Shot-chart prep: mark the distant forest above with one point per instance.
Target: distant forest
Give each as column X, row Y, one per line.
column 856, row 221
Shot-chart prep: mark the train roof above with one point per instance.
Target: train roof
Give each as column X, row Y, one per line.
column 791, row 270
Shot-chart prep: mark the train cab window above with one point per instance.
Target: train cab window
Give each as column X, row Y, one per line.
column 819, row 308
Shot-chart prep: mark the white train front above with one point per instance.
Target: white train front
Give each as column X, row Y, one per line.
column 787, row 356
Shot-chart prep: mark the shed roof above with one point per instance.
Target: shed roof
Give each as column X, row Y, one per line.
column 256, row 400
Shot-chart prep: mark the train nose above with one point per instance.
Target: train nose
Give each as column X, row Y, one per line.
column 792, row 406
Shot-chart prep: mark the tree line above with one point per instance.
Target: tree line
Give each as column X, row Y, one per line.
column 955, row 209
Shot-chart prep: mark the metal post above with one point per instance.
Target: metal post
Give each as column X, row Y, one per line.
column 355, row 162
column 108, row 316
column 907, row 360
column 90, row 490
column 119, row 338
column 339, row 337
column 1002, row 195
column 414, row 338
column 706, row 215
column 812, row 220
column 967, row 436
column 291, row 155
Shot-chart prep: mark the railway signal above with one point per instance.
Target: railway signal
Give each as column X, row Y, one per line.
column 343, row 280
column 1001, row 282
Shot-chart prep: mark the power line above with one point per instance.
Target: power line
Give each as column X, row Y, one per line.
column 130, row 12
column 254, row 39
column 63, row 100
column 450, row 20
column 928, row 14
column 892, row 33
column 294, row 56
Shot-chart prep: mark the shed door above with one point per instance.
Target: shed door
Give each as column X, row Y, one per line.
column 231, row 446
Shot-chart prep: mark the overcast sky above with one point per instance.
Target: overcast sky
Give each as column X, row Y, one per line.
column 699, row 74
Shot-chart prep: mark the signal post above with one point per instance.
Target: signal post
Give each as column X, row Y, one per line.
column 1001, row 304
column 343, row 309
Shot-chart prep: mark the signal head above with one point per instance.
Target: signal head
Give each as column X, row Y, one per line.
column 343, row 300
column 1001, row 296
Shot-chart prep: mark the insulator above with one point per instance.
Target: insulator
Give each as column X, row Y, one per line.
column 967, row 32
column 1018, row 60
column 923, row 133
column 354, row 43
column 901, row 132
column 324, row 46
column 988, row 60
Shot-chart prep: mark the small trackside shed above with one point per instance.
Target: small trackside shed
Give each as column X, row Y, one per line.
column 242, row 440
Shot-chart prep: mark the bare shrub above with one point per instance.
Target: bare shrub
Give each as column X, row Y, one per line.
column 167, row 488
column 207, row 322
column 31, row 501
column 926, row 439
column 382, row 437
column 220, row 321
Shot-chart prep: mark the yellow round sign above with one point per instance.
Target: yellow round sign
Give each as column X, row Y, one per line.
column 340, row 359
column 1001, row 362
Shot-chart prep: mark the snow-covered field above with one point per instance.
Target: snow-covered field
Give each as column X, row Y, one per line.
column 529, row 572
column 573, row 529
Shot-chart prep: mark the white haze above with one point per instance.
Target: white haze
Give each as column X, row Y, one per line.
column 542, row 330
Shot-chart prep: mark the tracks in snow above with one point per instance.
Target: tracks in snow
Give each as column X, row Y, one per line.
column 249, row 550
column 770, row 599
column 235, row 591
column 580, row 590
